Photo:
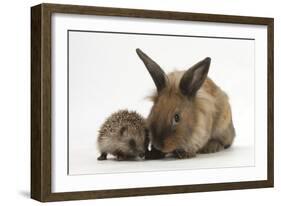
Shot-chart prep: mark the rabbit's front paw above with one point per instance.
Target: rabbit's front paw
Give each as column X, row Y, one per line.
column 182, row 154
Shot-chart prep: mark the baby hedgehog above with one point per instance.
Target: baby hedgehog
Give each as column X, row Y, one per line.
column 123, row 135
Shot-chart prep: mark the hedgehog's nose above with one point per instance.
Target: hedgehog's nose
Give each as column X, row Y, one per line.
column 141, row 155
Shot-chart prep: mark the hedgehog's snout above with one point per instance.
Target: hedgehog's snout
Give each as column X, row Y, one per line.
column 141, row 155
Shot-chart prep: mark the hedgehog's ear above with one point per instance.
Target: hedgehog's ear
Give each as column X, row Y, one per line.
column 122, row 130
column 193, row 78
column 155, row 71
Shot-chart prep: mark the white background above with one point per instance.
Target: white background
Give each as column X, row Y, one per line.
column 105, row 75
column 15, row 104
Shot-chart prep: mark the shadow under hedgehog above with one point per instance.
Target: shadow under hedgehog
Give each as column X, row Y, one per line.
column 190, row 113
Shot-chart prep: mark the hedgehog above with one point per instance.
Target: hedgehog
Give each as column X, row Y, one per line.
column 124, row 135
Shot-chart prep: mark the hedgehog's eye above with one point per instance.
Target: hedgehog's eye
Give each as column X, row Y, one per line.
column 122, row 130
column 132, row 143
column 176, row 119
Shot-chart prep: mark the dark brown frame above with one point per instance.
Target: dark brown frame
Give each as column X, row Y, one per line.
column 41, row 101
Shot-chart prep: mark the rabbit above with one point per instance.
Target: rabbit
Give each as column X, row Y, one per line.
column 190, row 113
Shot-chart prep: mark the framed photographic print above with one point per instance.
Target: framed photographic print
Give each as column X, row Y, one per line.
column 128, row 102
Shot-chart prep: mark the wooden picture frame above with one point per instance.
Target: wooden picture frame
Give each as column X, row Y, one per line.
column 41, row 161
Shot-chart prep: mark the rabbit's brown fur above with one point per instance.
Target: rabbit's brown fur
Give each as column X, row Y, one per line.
column 204, row 113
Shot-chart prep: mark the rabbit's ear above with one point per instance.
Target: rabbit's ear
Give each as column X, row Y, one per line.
column 157, row 74
column 193, row 78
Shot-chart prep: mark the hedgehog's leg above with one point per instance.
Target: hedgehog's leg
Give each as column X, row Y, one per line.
column 103, row 156
column 119, row 155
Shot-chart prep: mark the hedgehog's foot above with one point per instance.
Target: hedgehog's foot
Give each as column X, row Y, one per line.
column 103, row 156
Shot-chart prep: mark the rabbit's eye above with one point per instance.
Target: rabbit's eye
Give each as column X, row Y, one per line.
column 176, row 118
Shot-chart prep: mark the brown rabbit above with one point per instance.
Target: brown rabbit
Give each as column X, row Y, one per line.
column 190, row 113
